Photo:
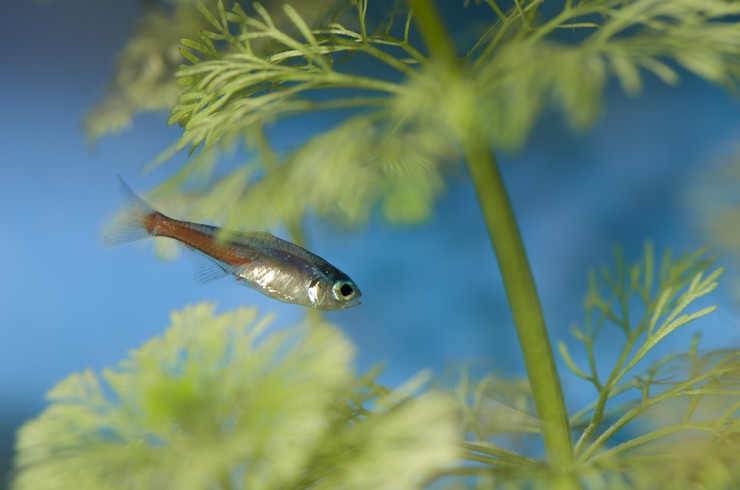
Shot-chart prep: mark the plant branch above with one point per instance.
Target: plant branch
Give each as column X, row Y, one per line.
column 505, row 455
column 679, row 389
column 705, row 426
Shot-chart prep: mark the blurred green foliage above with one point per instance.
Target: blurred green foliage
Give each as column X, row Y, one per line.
column 145, row 73
column 714, row 203
column 222, row 401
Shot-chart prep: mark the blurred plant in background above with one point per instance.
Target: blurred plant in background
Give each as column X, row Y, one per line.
column 715, row 205
column 145, row 75
column 217, row 402
column 408, row 112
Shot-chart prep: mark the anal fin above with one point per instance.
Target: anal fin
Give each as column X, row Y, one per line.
column 207, row 269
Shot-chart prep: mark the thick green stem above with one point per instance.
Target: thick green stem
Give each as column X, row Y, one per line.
column 523, row 301
column 512, row 260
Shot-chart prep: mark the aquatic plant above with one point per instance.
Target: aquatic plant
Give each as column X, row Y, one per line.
column 219, row 401
column 431, row 106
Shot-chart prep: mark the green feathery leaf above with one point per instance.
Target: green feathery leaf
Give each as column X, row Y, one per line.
column 699, row 380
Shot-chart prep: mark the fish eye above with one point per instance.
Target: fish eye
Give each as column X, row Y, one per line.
column 344, row 290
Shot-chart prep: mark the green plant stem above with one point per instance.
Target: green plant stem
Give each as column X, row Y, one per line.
column 513, row 264
column 433, row 31
column 604, row 394
column 523, row 301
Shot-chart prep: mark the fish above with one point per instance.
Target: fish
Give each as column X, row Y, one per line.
column 277, row 268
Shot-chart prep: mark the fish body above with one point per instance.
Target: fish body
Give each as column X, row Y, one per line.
column 276, row 267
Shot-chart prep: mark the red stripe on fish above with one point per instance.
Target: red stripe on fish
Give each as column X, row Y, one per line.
column 182, row 231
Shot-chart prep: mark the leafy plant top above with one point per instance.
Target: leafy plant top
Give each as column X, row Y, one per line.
column 405, row 116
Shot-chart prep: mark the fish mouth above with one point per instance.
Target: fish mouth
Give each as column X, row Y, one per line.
column 337, row 305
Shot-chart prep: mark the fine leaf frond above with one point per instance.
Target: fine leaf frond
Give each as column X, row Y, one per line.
column 694, row 406
column 679, row 400
column 509, row 85
column 647, row 305
column 496, row 415
column 520, row 71
column 251, row 68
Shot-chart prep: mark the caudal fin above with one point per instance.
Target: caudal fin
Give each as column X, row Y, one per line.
column 130, row 224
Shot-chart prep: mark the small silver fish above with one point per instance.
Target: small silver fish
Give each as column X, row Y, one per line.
column 278, row 268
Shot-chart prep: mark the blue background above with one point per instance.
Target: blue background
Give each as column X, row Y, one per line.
column 432, row 294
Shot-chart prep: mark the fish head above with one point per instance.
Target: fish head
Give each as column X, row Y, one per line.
column 333, row 292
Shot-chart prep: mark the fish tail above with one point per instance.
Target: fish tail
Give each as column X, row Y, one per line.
column 138, row 219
